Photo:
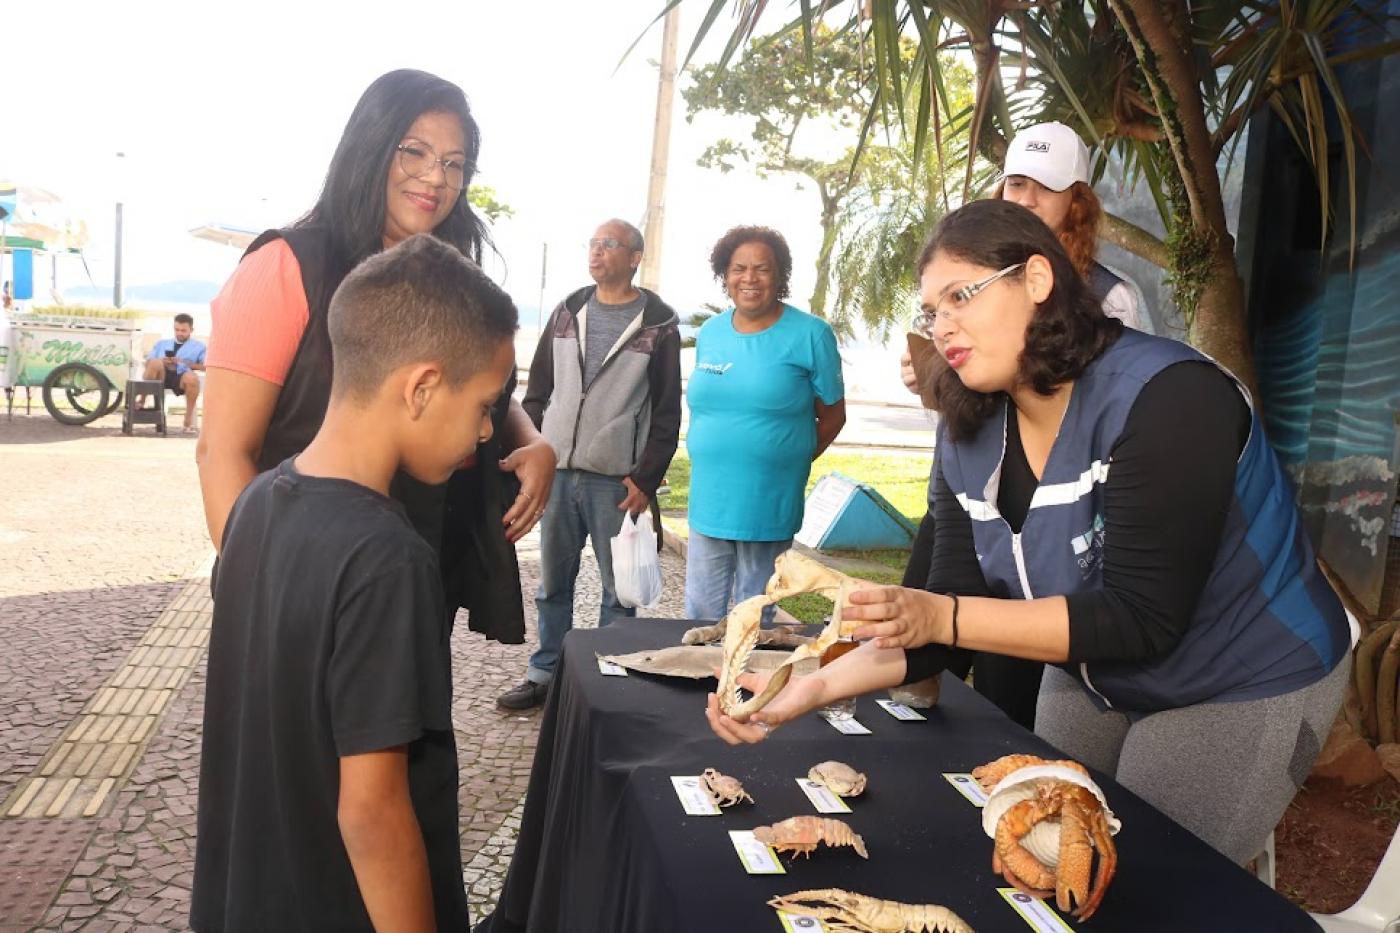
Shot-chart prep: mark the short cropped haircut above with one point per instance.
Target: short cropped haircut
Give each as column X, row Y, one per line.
column 420, row 301
column 636, row 244
column 723, row 253
column 183, row 318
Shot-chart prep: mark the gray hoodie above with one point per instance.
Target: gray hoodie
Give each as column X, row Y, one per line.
column 628, row 421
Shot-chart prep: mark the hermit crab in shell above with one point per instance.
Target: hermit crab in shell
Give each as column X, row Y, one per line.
column 1048, row 819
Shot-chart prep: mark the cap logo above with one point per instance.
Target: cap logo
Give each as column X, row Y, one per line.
column 1037, row 146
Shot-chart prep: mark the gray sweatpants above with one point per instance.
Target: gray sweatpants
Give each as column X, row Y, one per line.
column 1225, row 771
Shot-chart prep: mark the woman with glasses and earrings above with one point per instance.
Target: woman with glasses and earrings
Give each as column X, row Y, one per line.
column 1105, row 502
column 766, row 398
column 1047, row 172
column 402, row 167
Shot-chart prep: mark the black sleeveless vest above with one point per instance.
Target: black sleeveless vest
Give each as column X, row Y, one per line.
column 461, row 519
column 306, row 392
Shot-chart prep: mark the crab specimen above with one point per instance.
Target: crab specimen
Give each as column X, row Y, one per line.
column 800, row 834
column 991, row 774
column 839, row 778
column 848, row 912
column 724, row 790
column 1048, row 819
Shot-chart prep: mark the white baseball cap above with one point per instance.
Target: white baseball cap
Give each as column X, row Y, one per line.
column 1051, row 153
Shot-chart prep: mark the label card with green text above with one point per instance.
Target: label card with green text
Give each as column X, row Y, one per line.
column 758, row 859
column 1035, row 912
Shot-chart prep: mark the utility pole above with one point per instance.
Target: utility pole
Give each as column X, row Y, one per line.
column 544, row 273
column 117, row 274
column 660, row 153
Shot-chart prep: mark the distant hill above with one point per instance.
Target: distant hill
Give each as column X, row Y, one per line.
column 181, row 292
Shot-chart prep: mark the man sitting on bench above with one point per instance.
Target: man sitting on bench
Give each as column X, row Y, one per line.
column 175, row 362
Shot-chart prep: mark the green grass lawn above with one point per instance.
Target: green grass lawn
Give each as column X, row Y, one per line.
column 900, row 478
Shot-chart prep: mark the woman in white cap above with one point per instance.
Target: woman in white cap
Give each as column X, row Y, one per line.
column 1047, row 172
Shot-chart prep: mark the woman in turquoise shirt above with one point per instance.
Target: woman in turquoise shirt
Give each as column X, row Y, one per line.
column 766, row 398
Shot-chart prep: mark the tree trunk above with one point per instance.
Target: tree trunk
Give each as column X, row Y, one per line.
column 828, row 221
column 1129, row 236
column 1220, row 326
column 1219, row 320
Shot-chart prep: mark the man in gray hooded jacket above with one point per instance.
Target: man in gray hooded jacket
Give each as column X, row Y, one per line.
column 605, row 391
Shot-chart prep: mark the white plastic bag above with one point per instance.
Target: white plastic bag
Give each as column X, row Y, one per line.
column 636, row 564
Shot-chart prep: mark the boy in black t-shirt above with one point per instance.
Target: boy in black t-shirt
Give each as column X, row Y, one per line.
column 328, row 779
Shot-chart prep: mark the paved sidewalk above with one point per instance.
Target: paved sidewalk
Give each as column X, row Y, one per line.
column 100, row 539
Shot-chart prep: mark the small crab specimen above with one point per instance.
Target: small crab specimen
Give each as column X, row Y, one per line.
column 724, row 790
column 839, row 778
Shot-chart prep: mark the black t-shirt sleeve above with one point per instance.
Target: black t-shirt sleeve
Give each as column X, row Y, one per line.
column 389, row 675
column 1169, row 489
column 953, row 568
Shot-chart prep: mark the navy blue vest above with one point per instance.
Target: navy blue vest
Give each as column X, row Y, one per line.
column 1102, row 280
column 1267, row 622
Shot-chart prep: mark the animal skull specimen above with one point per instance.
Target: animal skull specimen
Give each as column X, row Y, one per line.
column 793, row 574
column 858, row 913
column 1048, row 818
column 800, row 834
column 839, row 778
column 724, row 790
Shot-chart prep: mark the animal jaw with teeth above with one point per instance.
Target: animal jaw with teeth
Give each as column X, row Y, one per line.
column 793, row 574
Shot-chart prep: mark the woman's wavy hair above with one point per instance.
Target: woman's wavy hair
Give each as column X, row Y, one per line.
column 1068, row 330
column 352, row 202
column 1080, row 235
column 736, row 237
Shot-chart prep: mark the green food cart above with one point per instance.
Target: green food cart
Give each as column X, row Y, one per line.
column 81, row 364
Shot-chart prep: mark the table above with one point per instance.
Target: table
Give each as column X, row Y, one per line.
column 605, row 846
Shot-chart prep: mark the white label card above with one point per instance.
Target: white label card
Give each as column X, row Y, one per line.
column 1035, row 912
column 822, row 798
column 967, row 785
column 694, row 798
column 609, row 669
column 900, row 711
column 758, row 858
column 846, row 726
column 800, row 923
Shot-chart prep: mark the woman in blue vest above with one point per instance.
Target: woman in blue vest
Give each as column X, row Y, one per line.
column 1106, row 502
column 1047, row 172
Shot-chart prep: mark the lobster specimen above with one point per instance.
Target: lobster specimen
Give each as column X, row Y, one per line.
column 847, row 912
column 1047, row 819
column 724, row 790
column 800, row 834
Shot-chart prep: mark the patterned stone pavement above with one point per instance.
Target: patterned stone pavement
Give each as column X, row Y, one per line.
column 99, row 533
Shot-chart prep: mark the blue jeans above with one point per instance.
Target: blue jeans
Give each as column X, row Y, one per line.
column 718, row 571
column 581, row 505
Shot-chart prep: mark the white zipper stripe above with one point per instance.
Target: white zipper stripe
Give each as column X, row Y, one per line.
column 1021, row 567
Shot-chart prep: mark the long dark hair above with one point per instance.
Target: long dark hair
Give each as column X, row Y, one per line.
column 1068, row 330
column 351, row 205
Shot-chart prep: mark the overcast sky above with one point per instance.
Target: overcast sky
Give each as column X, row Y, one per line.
column 230, row 111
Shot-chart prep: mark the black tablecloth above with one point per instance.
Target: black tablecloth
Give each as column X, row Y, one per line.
column 605, row 845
